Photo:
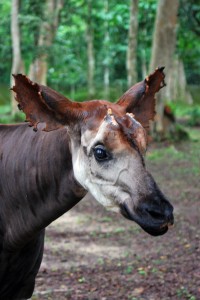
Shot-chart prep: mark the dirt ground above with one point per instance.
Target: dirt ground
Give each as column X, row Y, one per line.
column 92, row 254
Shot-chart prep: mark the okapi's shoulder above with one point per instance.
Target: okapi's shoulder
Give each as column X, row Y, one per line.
column 12, row 126
column 8, row 131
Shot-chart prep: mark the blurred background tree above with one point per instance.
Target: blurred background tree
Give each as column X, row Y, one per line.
column 131, row 62
column 162, row 53
column 90, row 49
column 17, row 63
column 44, row 35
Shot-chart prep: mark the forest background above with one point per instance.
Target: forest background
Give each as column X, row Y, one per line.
column 90, row 49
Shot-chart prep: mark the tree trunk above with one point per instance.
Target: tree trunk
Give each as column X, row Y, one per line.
column 38, row 69
column 90, row 51
column 177, row 88
column 107, row 55
column 164, row 41
column 17, row 65
column 131, row 63
column 144, row 64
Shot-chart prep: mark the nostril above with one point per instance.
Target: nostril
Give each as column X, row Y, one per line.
column 156, row 214
column 169, row 214
column 166, row 215
column 158, row 209
column 170, row 218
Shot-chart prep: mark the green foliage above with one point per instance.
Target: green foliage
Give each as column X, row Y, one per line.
column 128, row 270
column 169, row 152
column 189, row 113
column 68, row 55
column 183, row 292
column 194, row 119
column 188, row 47
column 5, row 42
column 5, row 109
column 30, row 18
column 195, row 92
column 4, row 94
column 173, row 153
column 7, row 118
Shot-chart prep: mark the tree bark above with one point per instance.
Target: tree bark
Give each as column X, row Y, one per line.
column 164, row 41
column 38, row 69
column 90, row 51
column 17, row 64
column 131, row 62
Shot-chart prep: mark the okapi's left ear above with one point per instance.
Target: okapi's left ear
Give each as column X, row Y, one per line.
column 140, row 98
column 44, row 105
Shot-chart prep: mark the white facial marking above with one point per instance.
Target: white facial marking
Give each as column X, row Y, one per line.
column 110, row 182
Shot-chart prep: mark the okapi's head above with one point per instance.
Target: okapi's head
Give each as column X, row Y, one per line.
column 108, row 143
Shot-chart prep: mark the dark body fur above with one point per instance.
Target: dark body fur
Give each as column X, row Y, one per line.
column 37, row 186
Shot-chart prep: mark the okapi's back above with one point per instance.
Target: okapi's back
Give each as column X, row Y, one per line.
column 22, row 149
column 36, row 178
column 29, row 158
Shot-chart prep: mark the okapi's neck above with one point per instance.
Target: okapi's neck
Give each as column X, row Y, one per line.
column 43, row 180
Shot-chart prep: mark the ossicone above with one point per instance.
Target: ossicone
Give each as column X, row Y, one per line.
column 140, row 98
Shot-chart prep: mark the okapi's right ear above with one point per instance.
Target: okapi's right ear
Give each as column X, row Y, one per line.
column 44, row 105
column 140, row 98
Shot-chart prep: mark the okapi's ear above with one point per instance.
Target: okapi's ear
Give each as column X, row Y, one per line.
column 140, row 98
column 44, row 105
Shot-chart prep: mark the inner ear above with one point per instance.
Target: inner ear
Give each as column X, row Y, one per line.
column 41, row 104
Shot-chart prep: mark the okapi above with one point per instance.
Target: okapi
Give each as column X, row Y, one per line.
column 94, row 146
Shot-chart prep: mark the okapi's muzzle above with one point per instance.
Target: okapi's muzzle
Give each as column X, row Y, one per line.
column 154, row 213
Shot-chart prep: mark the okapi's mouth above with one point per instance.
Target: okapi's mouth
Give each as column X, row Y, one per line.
column 156, row 231
column 152, row 225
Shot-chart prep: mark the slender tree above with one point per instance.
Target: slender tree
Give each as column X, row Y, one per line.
column 132, row 44
column 107, row 53
column 90, row 50
column 17, row 65
column 39, row 67
column 164, row 41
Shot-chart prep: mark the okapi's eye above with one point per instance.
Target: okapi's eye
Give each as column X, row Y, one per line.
column 100, row 153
